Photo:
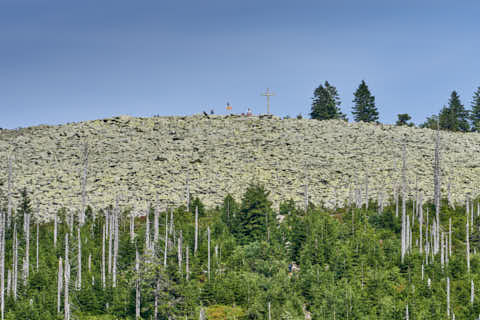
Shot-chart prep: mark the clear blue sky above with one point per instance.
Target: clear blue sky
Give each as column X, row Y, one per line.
column 66, row 61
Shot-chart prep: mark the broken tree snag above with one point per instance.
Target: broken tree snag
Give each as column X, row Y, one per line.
column 195, row 248
column 137, row 286
column 84, row 183
column 59, row 284
column 436, row 183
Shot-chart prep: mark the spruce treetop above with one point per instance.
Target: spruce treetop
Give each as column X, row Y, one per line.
column 454, row 117
column 475, row 114
column 364, row 108
column 326, row 103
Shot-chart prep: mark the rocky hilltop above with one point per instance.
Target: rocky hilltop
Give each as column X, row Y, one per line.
column 144, row 159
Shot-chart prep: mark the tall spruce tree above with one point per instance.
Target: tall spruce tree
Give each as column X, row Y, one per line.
column 475, row 115
column 326, row 103
column 455, row 116
column 255, row 218
column 364, row 108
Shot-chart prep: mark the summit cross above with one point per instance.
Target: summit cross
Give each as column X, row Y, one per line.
column 268, row 94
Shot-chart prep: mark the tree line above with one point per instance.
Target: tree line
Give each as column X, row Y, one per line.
column 453, row 117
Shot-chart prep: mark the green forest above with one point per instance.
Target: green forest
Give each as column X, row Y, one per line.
column 244, row 260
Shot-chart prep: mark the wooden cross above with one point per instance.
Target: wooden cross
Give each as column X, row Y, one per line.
column 268, row 94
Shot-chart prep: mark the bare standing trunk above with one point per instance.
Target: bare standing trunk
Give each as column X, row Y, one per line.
column 15, row 261
column 166, row 241
column 59, row 284
column 147, row 232
column 436, row 182
column 180, row 253
column 155, row 225
column 132, row 227
column 89, row 263
column 187, row 262
column 195, row 248
column 187, row 192
column 115, row 245
column 208, row 235
column 110, row 244
column 37, row 247
column 395, row 195
column 472, row 291
column 27, row 248
column 306, row 189
column 79, row 260
column 420, row 222
column 55, row 230
column 366, row 190
column 84, row 184
column 9, row 191
column 103, row 256
column 137, row 286
column 448, row 297
column 66, row 306
column 468, row 248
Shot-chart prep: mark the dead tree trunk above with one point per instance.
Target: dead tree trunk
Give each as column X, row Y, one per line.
column 15, row 261
column 195, row 248
column 472, row 291
column 55, row 230
column 155, row 225
column 420, row 223
column 59, row 284
column 79, row 260
column 110, row 244
column 27, row 248
column 366, row 191
column 147, row 232
column 103, row 256
column 132, row 226
column 436, row 182
column 115, row 245
column 187, row 263
column 468, row 248
column 208, row 235
column 448, row 297
column 187, row 192
column 137, row 286
column 450, row 237
column 37, row 247
column 9, row 191
column 66, row 305
column 166, row 241
column 180, row 253
column 84, row 184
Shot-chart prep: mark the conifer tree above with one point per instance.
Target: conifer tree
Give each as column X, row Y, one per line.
column 475, row 114
column 403, row 119
column 326, row 103
column 455, row 116
column 364, row 108
column 253, row 217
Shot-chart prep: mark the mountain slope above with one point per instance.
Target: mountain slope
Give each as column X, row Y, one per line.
column 142, row 159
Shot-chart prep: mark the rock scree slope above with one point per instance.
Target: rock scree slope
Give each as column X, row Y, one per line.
column 142, row 160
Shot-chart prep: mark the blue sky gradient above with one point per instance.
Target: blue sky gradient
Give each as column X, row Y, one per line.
column 66, row 61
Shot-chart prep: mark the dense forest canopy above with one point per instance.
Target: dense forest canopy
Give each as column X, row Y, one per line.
column 244, row 261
